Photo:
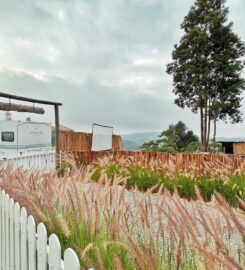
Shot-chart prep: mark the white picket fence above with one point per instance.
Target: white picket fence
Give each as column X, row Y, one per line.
column 23, row 246
column 43, row 161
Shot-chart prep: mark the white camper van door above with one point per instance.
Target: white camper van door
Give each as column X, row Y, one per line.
column 33, row 135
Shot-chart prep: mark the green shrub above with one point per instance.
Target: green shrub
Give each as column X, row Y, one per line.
column 207, row 187
column 96, row 174
column 65, row 167
column 185, row 186
column 144, row 178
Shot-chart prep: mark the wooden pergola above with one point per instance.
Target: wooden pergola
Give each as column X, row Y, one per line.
column 31, row 109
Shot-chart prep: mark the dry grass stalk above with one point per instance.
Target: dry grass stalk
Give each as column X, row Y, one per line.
column 150, row 230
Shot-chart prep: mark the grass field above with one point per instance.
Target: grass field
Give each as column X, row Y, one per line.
column 112, row 227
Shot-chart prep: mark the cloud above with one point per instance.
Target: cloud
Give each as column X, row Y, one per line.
column 90, row 102
column 70, row 38
column 105, row 60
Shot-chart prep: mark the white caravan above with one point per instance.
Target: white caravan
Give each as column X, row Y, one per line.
column 18, row 137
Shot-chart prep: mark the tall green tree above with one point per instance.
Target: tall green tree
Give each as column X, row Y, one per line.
column 207, row 66
column 177, row 138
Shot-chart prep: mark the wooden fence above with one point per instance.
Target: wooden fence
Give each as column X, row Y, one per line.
column 181, row 161
column 80, row 141
column 23, row 246
column 238, row 148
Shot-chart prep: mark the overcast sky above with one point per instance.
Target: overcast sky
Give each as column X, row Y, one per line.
column 105, row 60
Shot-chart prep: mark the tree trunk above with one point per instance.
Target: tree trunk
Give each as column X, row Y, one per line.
column 205, row 125
column 209, row 127
column 214, row 136
column 209, row 124
column 202, row 128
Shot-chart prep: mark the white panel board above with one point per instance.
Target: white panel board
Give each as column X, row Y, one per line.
column 101, row 138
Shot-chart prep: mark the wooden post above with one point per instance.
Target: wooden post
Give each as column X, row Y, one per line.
column 57, row 135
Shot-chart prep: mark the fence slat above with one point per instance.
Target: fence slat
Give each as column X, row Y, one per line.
column 4, row 231
column 1, row 227
column 41, row 247
column 31, row 225
column 71, row 260
column 17, row 236
column 11, row 234
column 23, row 238
column 7, row 231
column 54, row 257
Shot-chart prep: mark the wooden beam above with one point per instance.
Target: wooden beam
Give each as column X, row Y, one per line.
column 57, row 135
column 5, row 95
column 20, row 108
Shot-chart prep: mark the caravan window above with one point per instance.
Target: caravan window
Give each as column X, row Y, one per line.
column 7, row 136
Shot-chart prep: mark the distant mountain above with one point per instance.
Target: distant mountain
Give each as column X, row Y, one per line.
column 130, row 145
column 133, row 141
column 222, row 139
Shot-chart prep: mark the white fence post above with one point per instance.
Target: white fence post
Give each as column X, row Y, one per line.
column 70, row 260
column 41, row 247
column 11, row 234
column 23, row 238
column 7, row 230
column 4, row 231
column 17, row 236
column 31, row 227
column 54, row 256
column 1, row 228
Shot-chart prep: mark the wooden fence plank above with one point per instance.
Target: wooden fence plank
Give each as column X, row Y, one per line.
column 31, row 226
column 54, row 256
column 17, row 236
column 41, row 247
column 23, row 239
